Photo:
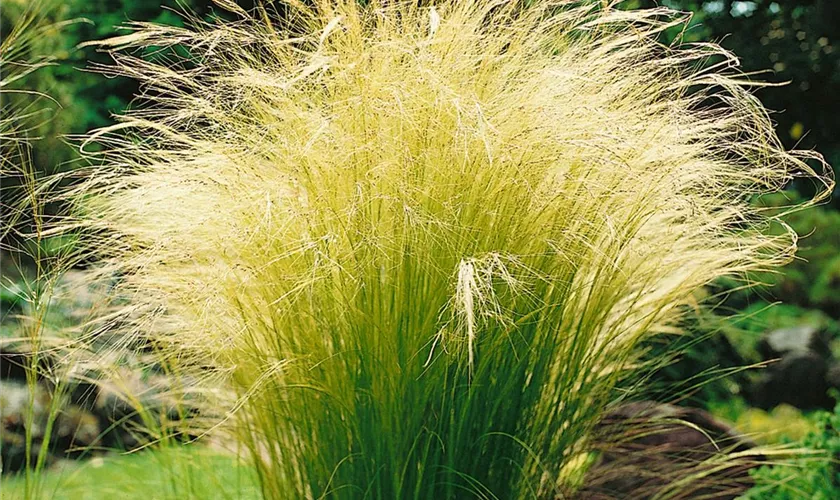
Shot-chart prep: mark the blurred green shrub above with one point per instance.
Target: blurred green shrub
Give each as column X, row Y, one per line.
column 85, row 100
column 813, row 477
column 782, row 423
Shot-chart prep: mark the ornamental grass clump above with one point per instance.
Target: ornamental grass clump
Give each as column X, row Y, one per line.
column 421, row 244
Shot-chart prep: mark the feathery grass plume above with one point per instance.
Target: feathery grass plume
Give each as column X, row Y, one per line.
column 423, row 243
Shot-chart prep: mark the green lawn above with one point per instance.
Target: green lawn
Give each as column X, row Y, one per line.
column 185, row 472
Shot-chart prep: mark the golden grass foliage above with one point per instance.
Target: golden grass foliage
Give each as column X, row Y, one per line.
column 423, row 243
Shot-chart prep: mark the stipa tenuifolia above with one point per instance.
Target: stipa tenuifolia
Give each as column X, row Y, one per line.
column 422, row 243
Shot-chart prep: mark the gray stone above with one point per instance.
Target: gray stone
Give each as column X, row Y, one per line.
column 799, row 372
column 795, row 340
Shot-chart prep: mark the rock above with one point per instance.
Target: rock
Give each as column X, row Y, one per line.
column 119, row 406
column 76, row 431
column 796, row 340
column 14, row 419
column 800, row 377
column 135, row 408
column 15, row 362
column 833, row 376
column 109, row 395
column 647, row 448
